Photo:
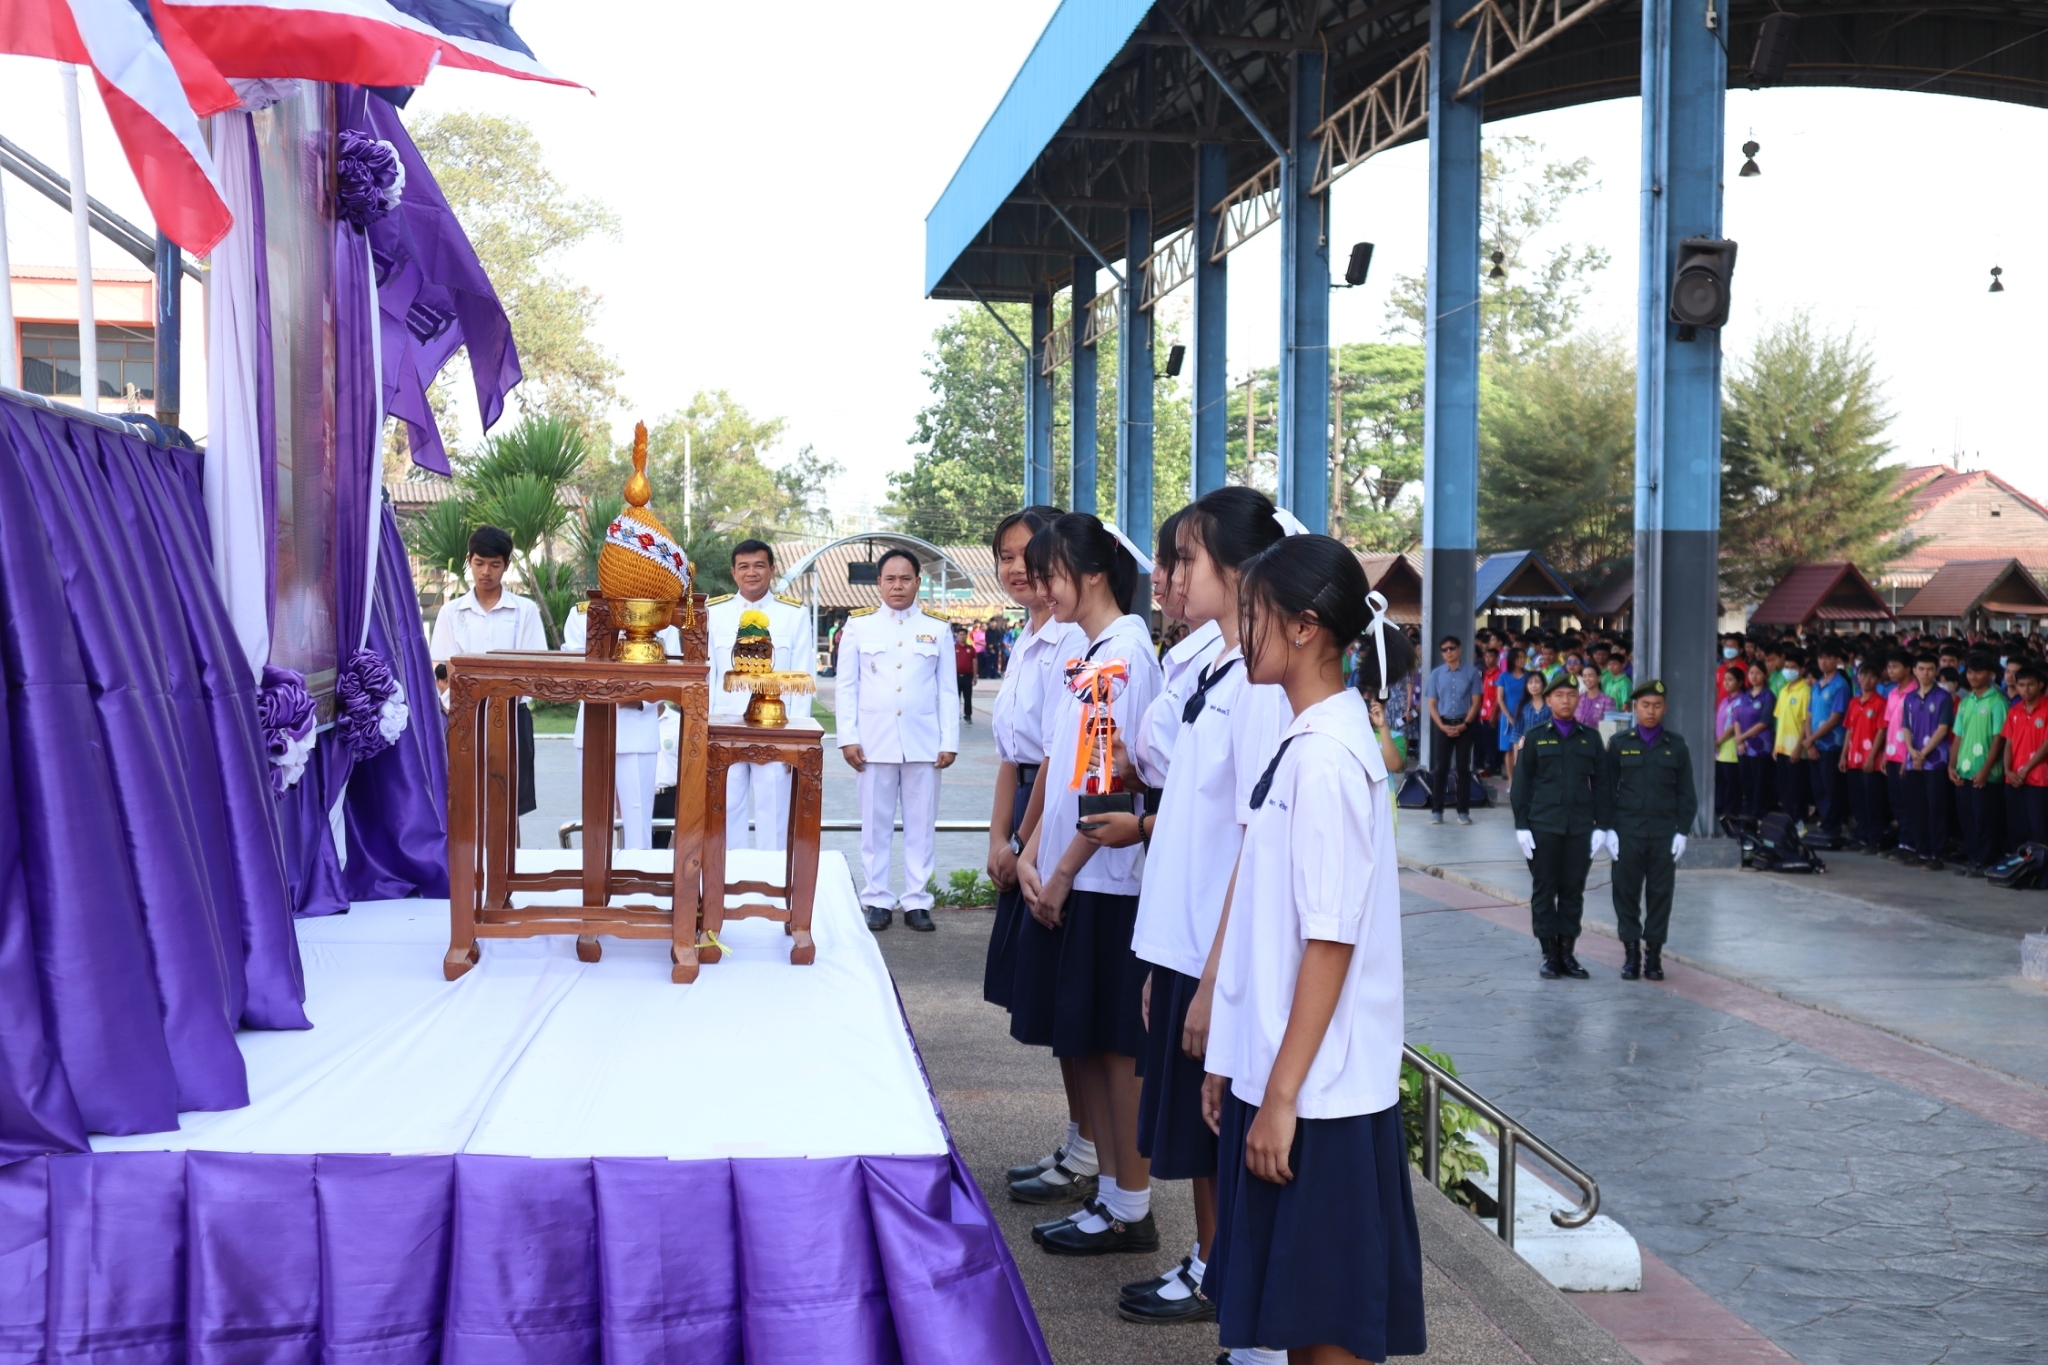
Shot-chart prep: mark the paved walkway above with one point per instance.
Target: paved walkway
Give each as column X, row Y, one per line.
column 1853, row 1196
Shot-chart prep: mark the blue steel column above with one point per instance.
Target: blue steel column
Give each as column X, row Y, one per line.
column 1134, row 389
column 1082, row 469
column 1450, row 423
column 1304, row 308
column 1678, row 385
column 1211, row 313
column 1038, row 422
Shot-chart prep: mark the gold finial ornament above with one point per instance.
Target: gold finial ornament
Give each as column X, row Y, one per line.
column 641, row 568
column 638, row 490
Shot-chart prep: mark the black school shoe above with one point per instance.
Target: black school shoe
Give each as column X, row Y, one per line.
column 1088, row 1206
column 1039, row 1190
column 1141, row 1236
column 1191, row 1307
column 1031, row 1170
column 1138, row 1289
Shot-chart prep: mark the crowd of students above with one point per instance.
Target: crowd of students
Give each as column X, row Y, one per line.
column 1218, row 967
column 1926, row 751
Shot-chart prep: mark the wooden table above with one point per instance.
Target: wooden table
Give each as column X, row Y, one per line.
column 483, row 787
column 800, row 744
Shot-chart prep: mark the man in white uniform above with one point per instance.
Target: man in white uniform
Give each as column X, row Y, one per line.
column 487, row 618
column 757, row 789
column 639, row 740
column 899, row 725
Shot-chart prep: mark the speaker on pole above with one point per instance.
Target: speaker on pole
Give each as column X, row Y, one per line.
column 1700, row 282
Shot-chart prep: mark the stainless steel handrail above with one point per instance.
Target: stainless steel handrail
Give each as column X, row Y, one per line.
column 569, row 827
column 1512, row 1135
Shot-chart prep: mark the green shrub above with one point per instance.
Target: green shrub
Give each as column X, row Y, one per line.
column 1458, row 1156
column 965, row 888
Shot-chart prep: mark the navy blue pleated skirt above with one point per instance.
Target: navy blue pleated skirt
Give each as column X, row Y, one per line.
column 1330, row 1258
column 999, row 974
column 1078, row 987
column 1170, row 1127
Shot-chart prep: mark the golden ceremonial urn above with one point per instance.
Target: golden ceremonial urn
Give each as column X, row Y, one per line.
column 641, row 568
column 753, row 670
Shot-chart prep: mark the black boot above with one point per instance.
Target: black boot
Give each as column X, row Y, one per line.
column 1653, row 961
column 1551, row 969
column 1632, row 962
column 1569, row 963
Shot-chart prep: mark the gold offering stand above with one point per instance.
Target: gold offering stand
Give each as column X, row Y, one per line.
column 483, row 785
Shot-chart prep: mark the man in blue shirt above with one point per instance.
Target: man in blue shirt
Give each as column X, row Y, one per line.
column 1824, row 744
column 1451, row 697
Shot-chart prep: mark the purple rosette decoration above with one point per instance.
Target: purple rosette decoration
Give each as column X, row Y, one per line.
column 370, row 707
column 285, row 710
column 368, row 178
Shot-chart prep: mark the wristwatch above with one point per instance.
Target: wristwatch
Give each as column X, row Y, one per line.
column 1016, row 846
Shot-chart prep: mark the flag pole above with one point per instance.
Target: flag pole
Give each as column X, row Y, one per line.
column 81, row 236
column 10, row 363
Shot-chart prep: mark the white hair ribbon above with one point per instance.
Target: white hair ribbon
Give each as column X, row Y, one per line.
column 1144, row 560
column 1290, row 524
column 1378, row 626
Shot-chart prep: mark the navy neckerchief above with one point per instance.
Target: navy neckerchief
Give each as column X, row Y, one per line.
column 1194, row 706
column 1265, row 783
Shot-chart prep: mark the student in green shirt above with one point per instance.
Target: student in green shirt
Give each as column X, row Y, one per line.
column 1976, row 764
column 1617, row 684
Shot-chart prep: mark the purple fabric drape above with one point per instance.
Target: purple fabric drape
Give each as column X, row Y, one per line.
column 142, row 904
column 211, row 1256
column 434, row 298
column 398, row 801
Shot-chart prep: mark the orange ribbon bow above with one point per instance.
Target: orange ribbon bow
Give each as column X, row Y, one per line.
column 1097, row 685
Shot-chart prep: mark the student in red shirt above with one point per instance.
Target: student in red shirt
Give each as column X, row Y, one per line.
column 2026, row 769
column 1863, row 760
column 963, row 662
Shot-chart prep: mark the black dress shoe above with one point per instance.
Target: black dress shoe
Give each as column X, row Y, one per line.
column 1934, row 865
column 1031, row 1170
column 1568, row 962
column 919, row 919
column 1193, row 1306
column 1653, row 962
column 1138, row 1289
column 1632, row 962
column 1088, row 1205
column 1057, row 1186
column 878, row 917
column 1142, row 1235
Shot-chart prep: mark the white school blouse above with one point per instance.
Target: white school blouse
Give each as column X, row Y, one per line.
column 1111, row 871
column 1038, row 664
column 1196, row 837
column 1318, row 863
column 1151, row 747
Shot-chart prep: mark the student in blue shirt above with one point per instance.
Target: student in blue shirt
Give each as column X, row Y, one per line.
column 1825, row 778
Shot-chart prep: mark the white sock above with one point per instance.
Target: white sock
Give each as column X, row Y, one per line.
column 1093, row 1221
column 1081, row 1156
column 1257, row 1355
column 1126, row 1206
column 1073, row 1136
column 1177, row 1287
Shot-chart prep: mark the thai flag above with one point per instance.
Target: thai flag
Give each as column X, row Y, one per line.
column 358, row 42
column 155, row 83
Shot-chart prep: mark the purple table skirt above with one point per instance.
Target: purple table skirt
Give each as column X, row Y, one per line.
column 133, row 1257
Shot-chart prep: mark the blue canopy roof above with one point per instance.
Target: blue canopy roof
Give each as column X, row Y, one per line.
column 1079, row 43
column 1521, row 578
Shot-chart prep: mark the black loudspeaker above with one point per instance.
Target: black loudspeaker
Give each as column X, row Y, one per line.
column 1700, row 283
column 1175, row 358
column 1359, row 265
column 1774, row 44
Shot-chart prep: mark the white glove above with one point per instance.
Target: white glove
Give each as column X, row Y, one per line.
column 1678, row 846
column 1527, row 841
column 1600, row 838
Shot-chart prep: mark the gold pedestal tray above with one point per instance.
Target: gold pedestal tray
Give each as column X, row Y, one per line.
column 766, row 711
column 642, row 619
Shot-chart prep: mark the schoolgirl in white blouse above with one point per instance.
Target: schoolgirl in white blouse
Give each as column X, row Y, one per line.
column 1087, row 897
column 1316, row 1247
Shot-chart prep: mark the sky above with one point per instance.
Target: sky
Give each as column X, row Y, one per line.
column 772, row 169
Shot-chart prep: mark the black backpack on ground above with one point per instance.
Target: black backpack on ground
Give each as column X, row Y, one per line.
column 1777, row 847
column 2021, row 869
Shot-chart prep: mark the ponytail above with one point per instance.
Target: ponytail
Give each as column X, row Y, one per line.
column 1316, row 577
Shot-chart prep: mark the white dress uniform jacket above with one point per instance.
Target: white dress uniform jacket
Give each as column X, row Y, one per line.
column 898, row 700
column 639, row 739
column 758, row 791
column 464, row 627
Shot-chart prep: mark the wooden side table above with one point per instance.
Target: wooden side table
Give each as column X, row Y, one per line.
column 483, row 787
column 801, row 744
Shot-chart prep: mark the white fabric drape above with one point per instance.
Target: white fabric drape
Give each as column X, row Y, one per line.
column 234, row 455
column 376, row 470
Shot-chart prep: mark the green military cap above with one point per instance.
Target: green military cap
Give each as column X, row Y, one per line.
column 1562, row 680
column 1651, row 688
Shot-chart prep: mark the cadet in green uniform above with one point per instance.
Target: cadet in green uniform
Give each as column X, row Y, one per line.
column 1557, row 814
column 1647, row 805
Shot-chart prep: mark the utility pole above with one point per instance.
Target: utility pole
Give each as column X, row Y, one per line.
column 689, row 491
column 1336, row 444
column 1251, row 423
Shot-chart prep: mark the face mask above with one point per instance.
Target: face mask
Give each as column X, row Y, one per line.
column 1791, row 674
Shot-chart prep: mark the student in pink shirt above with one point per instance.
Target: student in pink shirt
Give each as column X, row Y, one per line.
column 1898, row 671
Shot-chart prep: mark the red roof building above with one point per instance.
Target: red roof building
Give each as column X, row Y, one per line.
column 1978, row 594
column 1959, row 516
column 1821, row 594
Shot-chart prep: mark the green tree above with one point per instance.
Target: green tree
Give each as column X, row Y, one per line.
column 1557, row 456
column 520, row 218
column 1803, row 481
column 1537, row 296
column 522, row 483
column 1376, row 410
column 739, row 487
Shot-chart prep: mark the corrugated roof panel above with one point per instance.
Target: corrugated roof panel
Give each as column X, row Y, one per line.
column 1079, row 42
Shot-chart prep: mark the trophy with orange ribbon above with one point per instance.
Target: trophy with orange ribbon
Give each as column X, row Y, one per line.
column 1097, row 685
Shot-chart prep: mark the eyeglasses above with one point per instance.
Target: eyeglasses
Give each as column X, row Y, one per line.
column 1447, row 649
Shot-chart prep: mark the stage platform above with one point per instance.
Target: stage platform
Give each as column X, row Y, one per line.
column 543, row 1161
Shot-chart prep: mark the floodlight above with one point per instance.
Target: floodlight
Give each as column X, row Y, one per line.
column 1749, row 151
column 1498, row 273
column 1997, row 285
